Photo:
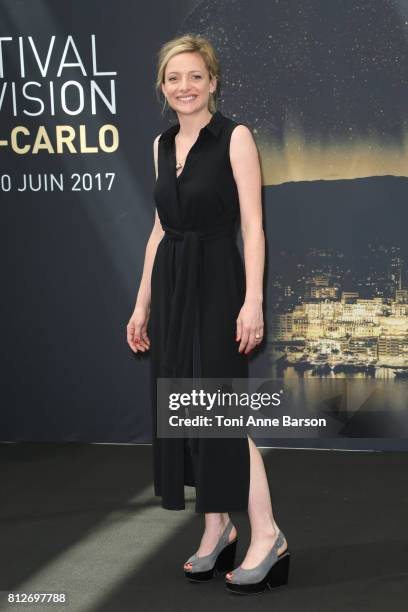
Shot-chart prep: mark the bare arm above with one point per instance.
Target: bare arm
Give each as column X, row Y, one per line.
column 137, row 326
column 247, row 173
column 144, row 294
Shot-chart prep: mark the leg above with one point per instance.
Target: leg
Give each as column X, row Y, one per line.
column 264, row 529
column 215, row 523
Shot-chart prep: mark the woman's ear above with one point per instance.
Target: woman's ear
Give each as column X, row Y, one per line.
column 213, row 81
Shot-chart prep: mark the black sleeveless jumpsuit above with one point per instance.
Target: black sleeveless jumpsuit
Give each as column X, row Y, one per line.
column 197, row 290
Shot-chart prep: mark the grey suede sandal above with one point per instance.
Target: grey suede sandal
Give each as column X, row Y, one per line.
column 220, row 561
column 273, row 571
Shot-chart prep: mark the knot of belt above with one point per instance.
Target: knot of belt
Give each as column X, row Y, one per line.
column 179, row 342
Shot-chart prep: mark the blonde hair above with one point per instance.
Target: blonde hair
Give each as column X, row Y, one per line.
column 191, row 43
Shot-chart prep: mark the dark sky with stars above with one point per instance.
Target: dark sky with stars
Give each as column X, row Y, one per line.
column 323, row 73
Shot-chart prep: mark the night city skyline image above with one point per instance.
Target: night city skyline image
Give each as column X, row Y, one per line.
column 337, row 297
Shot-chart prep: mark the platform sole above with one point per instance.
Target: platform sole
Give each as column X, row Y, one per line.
column 223, row 564
column 277, row 576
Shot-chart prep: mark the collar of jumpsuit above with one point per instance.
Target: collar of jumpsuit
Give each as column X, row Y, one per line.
column 184, row 319
column 214, row 127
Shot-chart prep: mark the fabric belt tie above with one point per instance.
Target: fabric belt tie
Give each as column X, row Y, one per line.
column 179, row 343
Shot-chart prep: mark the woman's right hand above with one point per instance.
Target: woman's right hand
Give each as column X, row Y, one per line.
column 137, row 337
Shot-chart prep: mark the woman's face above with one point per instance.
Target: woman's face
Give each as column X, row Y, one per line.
column 187, row 84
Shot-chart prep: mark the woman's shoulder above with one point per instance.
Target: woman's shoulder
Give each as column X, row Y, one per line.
column 169, row 132
column 235, row 124
column 238, row 133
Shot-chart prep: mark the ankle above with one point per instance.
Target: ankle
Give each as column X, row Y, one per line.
column 216, row 519
column 265, row 530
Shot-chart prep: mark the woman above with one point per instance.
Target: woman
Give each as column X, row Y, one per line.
column 204, row 312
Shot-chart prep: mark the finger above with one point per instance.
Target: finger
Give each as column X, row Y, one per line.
column 140, row 345
column 244, row 340
column 146, row 337
column 144, row 341
column 138, row 338
column 259, row 333
column 130, row 337
column 143, row 337
column 239, row 330
column 251, row 342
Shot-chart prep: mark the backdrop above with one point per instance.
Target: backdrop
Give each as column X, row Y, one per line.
column 323, row 86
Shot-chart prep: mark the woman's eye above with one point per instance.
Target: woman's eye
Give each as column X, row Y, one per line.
column 196, row 76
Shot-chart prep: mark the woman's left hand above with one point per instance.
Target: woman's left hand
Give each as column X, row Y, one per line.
column 250, row 326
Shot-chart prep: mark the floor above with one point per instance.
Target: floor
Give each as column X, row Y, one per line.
column 82, row 519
